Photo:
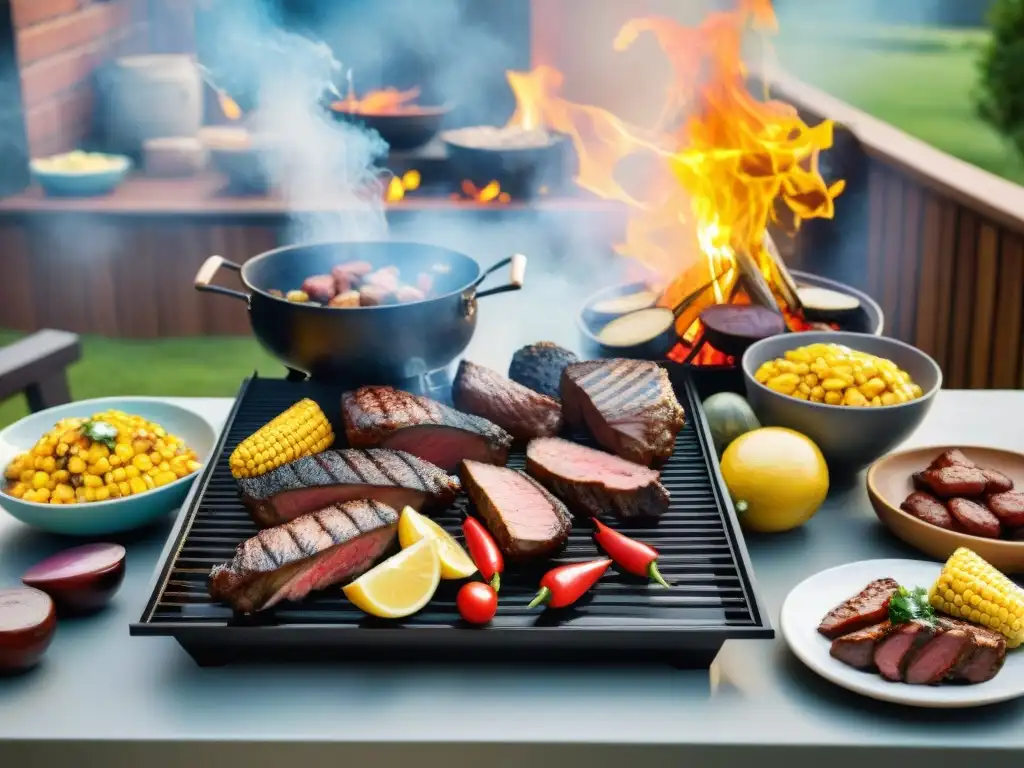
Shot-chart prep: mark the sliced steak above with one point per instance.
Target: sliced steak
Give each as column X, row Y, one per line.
column 391, row 418
column 894, row 652
column 926, row 507
column 520, row 411
column 395, row 478
column 975, row 519
column 627, row 405
column 953, row 458
column 309, row 553
column 524, row 518
column 1008, row 507
column 867, row 607
column 986, row 656
column 539, row 367
column 956, row 480
column 939, row 657
column 857, row 649
column 591, row 482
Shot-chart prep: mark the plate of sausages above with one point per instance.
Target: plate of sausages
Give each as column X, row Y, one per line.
column 940, row 498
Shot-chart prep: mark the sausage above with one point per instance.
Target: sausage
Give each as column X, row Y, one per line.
column 319, row 288
column 997, row 481
column 407, row 293
column 975, row 519
column 385, row 277
column 1008, row 507
column 953, row 458
column 955, row 481
column 349, row 274
column 374, row 295
column 918, row 480
column 926, row 507
column 344, row 300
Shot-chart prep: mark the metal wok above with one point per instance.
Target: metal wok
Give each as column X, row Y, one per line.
column 363, row 345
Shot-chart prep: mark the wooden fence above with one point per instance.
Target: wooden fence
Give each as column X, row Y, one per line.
column 937, row 241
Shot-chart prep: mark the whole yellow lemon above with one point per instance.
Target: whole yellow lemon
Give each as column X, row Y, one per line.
column 777, row 479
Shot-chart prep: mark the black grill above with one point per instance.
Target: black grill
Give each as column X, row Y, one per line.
column 702, row 555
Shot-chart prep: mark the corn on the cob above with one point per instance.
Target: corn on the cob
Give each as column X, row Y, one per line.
column 300, row 431
column 971, row 589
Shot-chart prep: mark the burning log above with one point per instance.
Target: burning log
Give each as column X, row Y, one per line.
column 783, row 280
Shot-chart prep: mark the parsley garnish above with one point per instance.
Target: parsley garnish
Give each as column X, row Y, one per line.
column 101, row 432
column 911, row 605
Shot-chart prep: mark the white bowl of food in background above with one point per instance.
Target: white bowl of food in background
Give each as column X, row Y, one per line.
column 107, row 479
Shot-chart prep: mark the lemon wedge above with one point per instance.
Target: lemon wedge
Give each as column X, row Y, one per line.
column 399, row 586
column 455, row 561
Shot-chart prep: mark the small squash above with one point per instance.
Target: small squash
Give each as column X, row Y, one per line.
column 728, row 416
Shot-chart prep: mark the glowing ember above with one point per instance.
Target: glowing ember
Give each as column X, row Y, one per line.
column 399, row 185
column 718, row 162
column 229, row 106
column 489, row 193
column 388, row 101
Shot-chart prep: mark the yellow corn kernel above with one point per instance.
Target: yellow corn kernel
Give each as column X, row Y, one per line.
column 971, row 589
column 784, row 366
column 148, row 480
column 90, row 494
column 833, row 385
column 801, row 369
column 124, row 488
column 123, row 452
column 76, row 465
column 131, row 471
column 18, row 490
column 164, row 478
column 40, row 479
column 142, row 462
column 833, row 397
column 92, row 481
column 876, row 401
column 798, row 355
column 916, row 390
column 888, row 398
column 194, row 466
column 303, row 427
column 137, row 485
column 761, row 375
column 818, row 393
column 800, row 395
column 42, row 494
column 811, row 379
column 27, row 475
column 872, row 387
column 853, row 396
column 786, row 383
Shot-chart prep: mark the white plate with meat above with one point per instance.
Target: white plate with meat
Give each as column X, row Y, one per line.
column 862, row 649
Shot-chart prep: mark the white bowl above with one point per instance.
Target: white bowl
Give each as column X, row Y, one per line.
column 114, row 515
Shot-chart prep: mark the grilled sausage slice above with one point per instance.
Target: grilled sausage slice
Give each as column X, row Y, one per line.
column 949, row 482
column 953, row 458
column 926, row 507
column 1008, row 507
column 975, row 519
column 997, row 481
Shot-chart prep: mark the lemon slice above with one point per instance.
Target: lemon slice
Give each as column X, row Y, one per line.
column 399, row 586
column 455, row 561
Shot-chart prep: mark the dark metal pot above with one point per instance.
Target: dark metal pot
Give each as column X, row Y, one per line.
column 363, row 345
column 520, row 171
column 402, row 131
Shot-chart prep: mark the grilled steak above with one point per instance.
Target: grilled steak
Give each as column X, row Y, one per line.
column 898, row 647
column 523, row 413
column 869, row 606
column 939, row 657
column 524, row 518
column 591, row 482
column 627, row 405
column 539, row 367
column 399, row 420
column 986, row 656
column 858, row 648
column 309, row 553
column 395, row 478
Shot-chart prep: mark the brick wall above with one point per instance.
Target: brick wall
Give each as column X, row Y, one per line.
column 60, row 44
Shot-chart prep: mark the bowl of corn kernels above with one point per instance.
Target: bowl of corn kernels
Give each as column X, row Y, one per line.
column 101, row 466
column 857, row 396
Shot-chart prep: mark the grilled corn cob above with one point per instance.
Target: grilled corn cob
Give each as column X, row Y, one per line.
column 971, row 589
column 300, row 431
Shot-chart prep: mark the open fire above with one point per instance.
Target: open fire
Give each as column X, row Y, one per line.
column 719, row 165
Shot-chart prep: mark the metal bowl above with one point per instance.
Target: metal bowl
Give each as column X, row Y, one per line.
column 402, row 131
column 849, row 438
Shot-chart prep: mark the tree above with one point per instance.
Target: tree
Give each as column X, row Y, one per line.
column 1000, row 98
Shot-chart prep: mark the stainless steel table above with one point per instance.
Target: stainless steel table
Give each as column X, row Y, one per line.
column 103, row 698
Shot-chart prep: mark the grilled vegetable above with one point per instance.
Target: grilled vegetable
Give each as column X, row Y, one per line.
column 971, row 589
column 562, row 586
column 477, row 602
column 630, row 555
column 300, row 431
column 484, row 551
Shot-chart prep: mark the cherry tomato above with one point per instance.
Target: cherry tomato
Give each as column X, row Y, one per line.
column 477, row 602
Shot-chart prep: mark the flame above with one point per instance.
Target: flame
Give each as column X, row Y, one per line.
column 399, row 185
column 720, row 164
column 388, row 101
column 490, row 192
column 229, row 106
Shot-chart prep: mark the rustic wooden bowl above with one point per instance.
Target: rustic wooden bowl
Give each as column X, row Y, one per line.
column 889, row 483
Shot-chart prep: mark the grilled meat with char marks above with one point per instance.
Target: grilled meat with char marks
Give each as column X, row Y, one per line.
column 539, row 367
column 309, row 553
column 524, row 518
column 627, row 405
column 392, row 418
column 857, row 649
column 867, row 607
column 520, row 411
column 395, row 478
column 591, row 482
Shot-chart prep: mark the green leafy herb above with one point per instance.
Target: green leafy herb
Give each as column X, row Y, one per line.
column 101, row 432
column 911, row 605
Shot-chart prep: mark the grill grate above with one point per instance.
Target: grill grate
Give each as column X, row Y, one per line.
column 702, row 555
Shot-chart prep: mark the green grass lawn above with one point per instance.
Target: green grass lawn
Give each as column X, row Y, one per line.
column 921, row 81
column 194, row 367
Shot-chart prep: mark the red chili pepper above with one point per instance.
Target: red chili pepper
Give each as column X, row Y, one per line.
column 477, row 602
column 485, row 553
column 566, row 584
column 629, row 554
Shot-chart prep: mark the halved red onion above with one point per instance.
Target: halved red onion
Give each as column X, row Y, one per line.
column 80, row 579
column 28, row 620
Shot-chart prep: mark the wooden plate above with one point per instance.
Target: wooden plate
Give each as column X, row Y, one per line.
column 889, row 484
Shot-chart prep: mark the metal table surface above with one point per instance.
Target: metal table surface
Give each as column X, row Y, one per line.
column 101, row 697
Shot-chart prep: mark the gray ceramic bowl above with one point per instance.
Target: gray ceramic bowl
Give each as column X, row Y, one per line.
column 849, row 438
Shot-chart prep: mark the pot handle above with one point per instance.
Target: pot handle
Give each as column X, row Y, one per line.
column 210, row 268
column 517, row 274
